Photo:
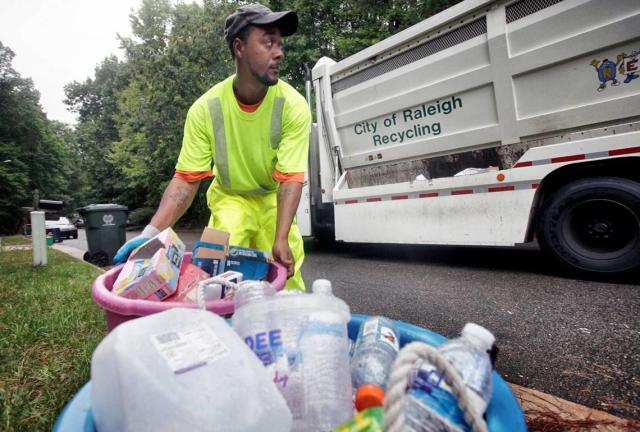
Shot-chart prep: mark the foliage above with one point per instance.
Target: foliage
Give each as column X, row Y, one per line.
column 34, row 152
column 41, row 367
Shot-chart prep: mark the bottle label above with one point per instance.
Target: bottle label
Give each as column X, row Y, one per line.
column 429, row 389
column 190, row 348
column 375, row 329
column 370, row 327
column 389, row 336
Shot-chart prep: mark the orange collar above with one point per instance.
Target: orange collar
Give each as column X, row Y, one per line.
column 249, row 108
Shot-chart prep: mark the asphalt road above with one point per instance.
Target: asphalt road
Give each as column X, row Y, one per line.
column 576, row 339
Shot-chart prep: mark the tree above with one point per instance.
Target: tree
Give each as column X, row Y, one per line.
column 30, row 141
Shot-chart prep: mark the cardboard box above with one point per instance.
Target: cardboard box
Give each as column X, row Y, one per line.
column 252, row 263
column 210, row 252
column 190, row 276
column 153, row 269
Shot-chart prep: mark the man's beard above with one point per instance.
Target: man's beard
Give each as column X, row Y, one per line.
column 264, row 79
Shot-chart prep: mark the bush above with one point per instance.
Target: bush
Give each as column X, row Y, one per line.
column 141, row 216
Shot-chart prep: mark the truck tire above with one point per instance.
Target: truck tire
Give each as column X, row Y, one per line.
column 592, row 226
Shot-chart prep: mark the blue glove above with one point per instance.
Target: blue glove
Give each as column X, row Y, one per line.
column 126, row 249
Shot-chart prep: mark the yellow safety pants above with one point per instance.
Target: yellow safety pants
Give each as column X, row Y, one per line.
column 251, row 221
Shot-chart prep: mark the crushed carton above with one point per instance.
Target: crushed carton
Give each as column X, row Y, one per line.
column 252, row 263
column 190, row 276
column 153, row 269
column 210, row 252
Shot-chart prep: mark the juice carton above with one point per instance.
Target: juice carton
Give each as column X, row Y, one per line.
column 210, row 252
column 252, row 263
column 190, row 276
column 153, row 268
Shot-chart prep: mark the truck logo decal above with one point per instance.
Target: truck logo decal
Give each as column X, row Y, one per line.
column 607, row 70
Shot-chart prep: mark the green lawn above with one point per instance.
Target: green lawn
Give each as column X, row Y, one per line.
column 49, row 327
column 15, row 240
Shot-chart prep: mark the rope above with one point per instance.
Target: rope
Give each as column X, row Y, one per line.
column 394, row 419
column 200, row 300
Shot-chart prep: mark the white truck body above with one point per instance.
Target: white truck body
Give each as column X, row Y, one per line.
column 527, row 96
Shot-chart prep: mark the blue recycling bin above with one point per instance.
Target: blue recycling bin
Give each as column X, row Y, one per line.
column 503, row 414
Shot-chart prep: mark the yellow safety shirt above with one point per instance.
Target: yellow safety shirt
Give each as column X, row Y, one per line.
column 245, row 148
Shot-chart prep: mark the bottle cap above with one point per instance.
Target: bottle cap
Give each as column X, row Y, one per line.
column 369, row 395
column 479, row 333
column 321, row 286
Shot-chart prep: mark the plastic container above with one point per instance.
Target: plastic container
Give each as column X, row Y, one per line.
column 324, row 347
column 430, row 400
column 185, row 362
column 503, row 413
column 118, row 309
column 274, row 326
column 376, row 347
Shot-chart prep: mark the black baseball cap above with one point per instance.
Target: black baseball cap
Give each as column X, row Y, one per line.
column 258, row 14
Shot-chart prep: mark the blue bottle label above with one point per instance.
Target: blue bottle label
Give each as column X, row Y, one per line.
column 429, row 388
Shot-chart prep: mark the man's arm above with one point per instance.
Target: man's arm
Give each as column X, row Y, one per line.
column 175, row 201
column 288, row 200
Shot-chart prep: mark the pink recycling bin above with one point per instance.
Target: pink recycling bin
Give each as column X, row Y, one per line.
column 119, row 309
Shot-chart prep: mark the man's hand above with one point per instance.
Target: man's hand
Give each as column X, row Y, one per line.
column 288, row 200
column 126, row 249
column 282, row 254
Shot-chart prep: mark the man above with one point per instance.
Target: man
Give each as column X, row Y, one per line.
column 254, row 128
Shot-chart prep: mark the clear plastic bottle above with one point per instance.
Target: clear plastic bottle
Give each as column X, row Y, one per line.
column 272, row 325
column 324, row 349
column 375, row 349
column 430, row 404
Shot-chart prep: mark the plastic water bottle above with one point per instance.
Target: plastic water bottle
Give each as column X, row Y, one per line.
column 430, row 404
column 275, row 326
column 182, row 369
column 375, row 349
column 325, row 353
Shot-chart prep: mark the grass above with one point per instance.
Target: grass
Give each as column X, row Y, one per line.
column 15, row 240
column 49, row 327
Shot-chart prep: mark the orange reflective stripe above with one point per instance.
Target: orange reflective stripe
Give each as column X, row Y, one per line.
column 288, row 177
column 193, row 176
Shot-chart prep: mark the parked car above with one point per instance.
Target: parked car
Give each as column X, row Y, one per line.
column 78, row 221
column 67, row 229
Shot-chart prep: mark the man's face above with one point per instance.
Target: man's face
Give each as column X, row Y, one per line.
column 263, row 53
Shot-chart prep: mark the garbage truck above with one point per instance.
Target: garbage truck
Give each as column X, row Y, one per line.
column 492, row 123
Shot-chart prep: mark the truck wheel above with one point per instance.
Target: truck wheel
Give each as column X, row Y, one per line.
column 592, row 226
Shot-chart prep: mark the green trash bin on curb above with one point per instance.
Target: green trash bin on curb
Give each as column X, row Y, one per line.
column 105, row 226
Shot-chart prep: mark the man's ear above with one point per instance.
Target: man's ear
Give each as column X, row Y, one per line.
column 238, row 47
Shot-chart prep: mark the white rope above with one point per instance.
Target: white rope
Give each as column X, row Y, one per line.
column 394, row 399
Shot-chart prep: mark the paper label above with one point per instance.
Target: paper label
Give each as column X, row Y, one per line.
column 190, row 348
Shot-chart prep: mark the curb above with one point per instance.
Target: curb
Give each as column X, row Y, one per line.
column 77, row 254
